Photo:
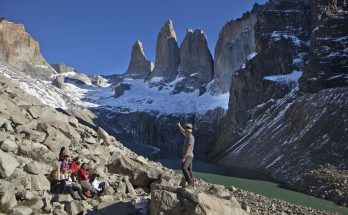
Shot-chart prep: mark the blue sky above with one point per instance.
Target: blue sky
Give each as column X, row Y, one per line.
column 96, row 37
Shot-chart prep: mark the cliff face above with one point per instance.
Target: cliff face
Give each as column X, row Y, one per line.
column 196, row 63
column 20, row 50
column 277, row 48
column 195, row 56
column 271, row 118
column 235, row 43
column 328, row 53
column 152, row 134
column 167, row 53
column 139, row 67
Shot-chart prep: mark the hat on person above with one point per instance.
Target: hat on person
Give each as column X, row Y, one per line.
column 188, row 126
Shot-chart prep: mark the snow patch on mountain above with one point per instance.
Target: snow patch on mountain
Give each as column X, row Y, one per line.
column 141, row 96
column 288, row 78
column 44, row 91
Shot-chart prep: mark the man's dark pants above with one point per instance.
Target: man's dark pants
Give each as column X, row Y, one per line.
column 187, row 169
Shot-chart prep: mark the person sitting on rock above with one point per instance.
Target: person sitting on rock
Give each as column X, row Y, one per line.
column 83, row 176
column 71, row 186
column 57, row 186
column 65, row 164
column 62, row 153
column 74, row 167
column 98, row 185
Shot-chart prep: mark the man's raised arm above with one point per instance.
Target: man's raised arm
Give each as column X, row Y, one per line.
column 181, row 128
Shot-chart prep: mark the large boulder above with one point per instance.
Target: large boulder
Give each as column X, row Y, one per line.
column 173, row 200
column 33, row 135
column 102, row 134
column 52, row 117
column 36, row 168
column 22, row 178
column 47, row 114
column 7, row 196
column 167, row 53
column 2, row 121
column 8, row 145
column 11, row 109
column 7, row 164
column 76, row 207
column 140, row 174
column 122, row 208
column 139, row 67
column 32, row 168
column 55, row 139
column 39, row 183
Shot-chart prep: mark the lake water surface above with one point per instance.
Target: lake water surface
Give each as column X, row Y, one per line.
column 253, row 182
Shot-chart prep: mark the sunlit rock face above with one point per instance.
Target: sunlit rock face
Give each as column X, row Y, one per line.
column 139, row 67
column 20, row 50
column 195, row 57
column 167, row 53
column 235, row 43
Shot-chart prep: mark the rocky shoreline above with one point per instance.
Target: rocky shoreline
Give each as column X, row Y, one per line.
column 326, row 182
column 256, row 204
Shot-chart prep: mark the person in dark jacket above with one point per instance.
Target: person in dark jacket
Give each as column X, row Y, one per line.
column 62, row 153
column 57, row 186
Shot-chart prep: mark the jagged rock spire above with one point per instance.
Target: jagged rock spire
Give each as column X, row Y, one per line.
column 139, row 66
column 195, row 56
column 167, row 53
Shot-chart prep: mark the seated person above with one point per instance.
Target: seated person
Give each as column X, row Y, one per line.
column 65, row 164
column 71, row 186
column 74, row 168
column 83, row 177
column 57, row 186
column 98, row 185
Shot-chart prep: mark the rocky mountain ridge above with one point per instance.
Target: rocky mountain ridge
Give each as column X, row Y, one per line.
column 283, row 112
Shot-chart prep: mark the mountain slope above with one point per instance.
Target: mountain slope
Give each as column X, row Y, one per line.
column 273, row 118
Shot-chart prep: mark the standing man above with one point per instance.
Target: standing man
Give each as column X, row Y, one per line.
column 187, row 158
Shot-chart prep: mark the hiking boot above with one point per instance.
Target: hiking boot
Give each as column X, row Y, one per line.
column 190, row 186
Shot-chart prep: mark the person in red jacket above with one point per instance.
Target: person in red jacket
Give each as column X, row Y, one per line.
column 74, row 167
column 83, row 176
